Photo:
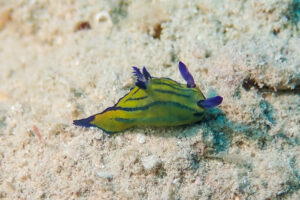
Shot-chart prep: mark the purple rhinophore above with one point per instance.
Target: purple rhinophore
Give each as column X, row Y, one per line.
column 146, row 74
column 186, row 75
column 210, row 102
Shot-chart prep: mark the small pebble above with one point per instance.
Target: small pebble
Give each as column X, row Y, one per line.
column 84, row 25
column 127, row 84
column 102, row 16
column 175, row 181
column 4, row 97
column 5, row 16
column 141, row 139
column 103, row 174
column 98, row 135
column 151, row 162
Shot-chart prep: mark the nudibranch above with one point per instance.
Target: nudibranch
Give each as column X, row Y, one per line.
column 157, row 102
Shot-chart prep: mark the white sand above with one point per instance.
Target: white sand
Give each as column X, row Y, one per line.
column 50, row 74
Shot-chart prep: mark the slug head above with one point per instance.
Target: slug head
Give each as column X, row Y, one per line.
column 205, row 103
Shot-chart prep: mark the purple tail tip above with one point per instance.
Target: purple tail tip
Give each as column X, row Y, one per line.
column 84, row 122
column 210, row 102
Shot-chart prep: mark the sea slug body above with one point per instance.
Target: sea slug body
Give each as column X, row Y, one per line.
column 157, row 102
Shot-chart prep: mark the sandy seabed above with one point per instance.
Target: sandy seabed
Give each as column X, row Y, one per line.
column 65, row 60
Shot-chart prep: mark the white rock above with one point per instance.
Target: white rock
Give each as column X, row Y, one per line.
column 102, row 16
column 141, row 138
column 151, row 162
column 175, row 181
column 103, row 174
